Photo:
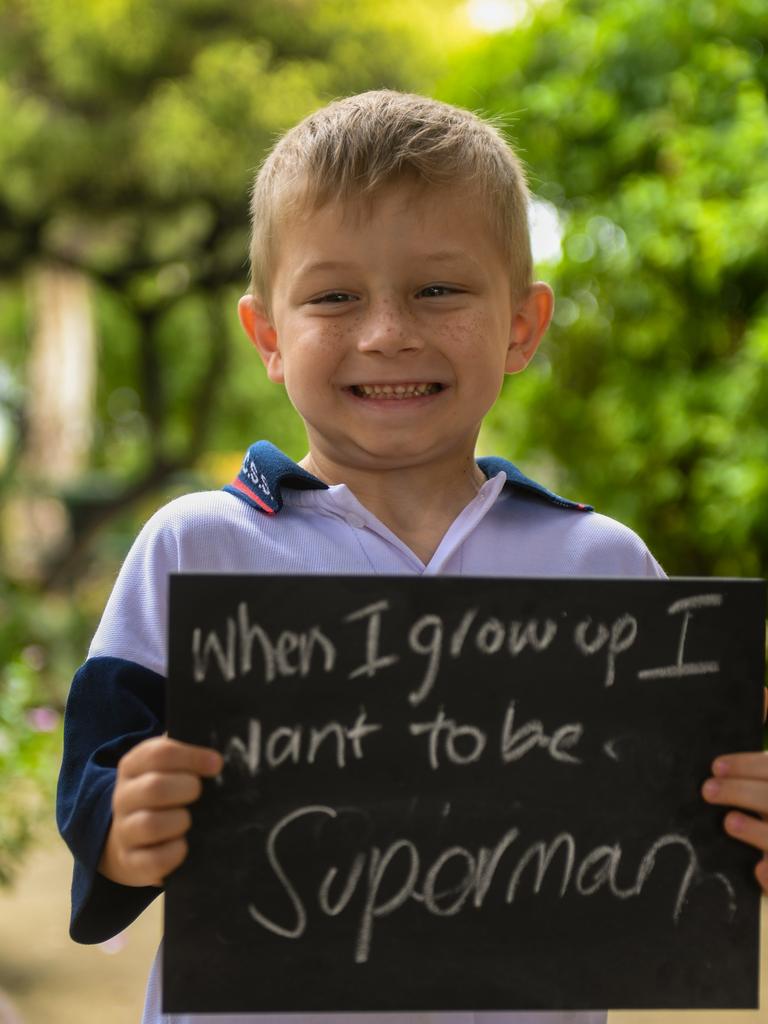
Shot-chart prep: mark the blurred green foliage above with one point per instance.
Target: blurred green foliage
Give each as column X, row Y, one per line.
column 645, row 124
column 37, row 641
column 128, row 139
column 129, row 132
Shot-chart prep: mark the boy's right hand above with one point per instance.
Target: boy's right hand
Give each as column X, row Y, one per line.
column 156, row 780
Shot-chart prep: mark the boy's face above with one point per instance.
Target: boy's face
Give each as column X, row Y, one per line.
column 393, row 325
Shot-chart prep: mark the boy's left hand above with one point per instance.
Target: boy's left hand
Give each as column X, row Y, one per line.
column 741, row 780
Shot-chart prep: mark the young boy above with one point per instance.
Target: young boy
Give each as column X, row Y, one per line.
column 392, row 290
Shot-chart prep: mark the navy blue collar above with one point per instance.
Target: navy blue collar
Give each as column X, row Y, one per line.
column 492, row 464
column 266, row 470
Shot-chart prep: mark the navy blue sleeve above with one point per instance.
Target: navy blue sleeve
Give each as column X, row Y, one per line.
column 113, row 705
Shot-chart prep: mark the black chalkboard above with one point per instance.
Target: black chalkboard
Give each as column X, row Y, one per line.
column 452, row 794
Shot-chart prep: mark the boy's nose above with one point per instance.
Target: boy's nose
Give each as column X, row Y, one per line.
column 389, row 329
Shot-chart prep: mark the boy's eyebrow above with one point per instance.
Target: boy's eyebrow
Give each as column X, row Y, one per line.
column 441, row 256
column 311, row 268
column 446, row 256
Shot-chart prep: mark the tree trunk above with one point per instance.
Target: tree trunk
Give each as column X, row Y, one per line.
column 61, row 379
column 62, row 376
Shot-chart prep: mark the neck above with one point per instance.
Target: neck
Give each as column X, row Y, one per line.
column 416, row 503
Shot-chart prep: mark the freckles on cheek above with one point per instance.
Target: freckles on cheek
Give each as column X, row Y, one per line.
column 326, row 332
column 314, row 340
column 473, row 335
column 463, row 332
column 314, row 357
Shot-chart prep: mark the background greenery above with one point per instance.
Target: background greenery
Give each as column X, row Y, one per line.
column 129, row 131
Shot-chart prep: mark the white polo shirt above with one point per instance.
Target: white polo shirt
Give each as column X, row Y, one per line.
column 501, row 532
column 275, row 518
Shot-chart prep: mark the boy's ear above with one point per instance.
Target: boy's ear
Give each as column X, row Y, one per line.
column 258, row 326
column 529, row 322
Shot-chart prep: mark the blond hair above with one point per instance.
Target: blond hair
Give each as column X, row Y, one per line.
column 354, row 147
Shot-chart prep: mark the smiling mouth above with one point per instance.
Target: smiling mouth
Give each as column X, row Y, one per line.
column 397, row 391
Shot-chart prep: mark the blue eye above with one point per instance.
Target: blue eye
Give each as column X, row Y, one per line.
column 332, row 297
column 436, row 291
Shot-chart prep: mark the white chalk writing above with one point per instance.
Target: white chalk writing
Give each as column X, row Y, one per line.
column 294, row 743
column 374, row 662
column 292, row 653
column 681, row 667
column 399, row 872
column 516, row 743
column 619, row 638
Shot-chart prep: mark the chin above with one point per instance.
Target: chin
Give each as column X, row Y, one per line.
column 388, row 458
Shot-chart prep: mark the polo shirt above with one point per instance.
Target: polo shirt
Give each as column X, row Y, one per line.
column 275, row 518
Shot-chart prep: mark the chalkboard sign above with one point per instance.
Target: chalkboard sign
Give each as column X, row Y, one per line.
column 453, row 794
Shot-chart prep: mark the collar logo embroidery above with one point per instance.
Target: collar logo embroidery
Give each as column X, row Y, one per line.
column 266, row 470
column 255, row 477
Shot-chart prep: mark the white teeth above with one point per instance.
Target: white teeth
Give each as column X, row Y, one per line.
column 395, row 391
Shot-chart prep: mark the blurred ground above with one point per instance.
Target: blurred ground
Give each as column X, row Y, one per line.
column 47, row 979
